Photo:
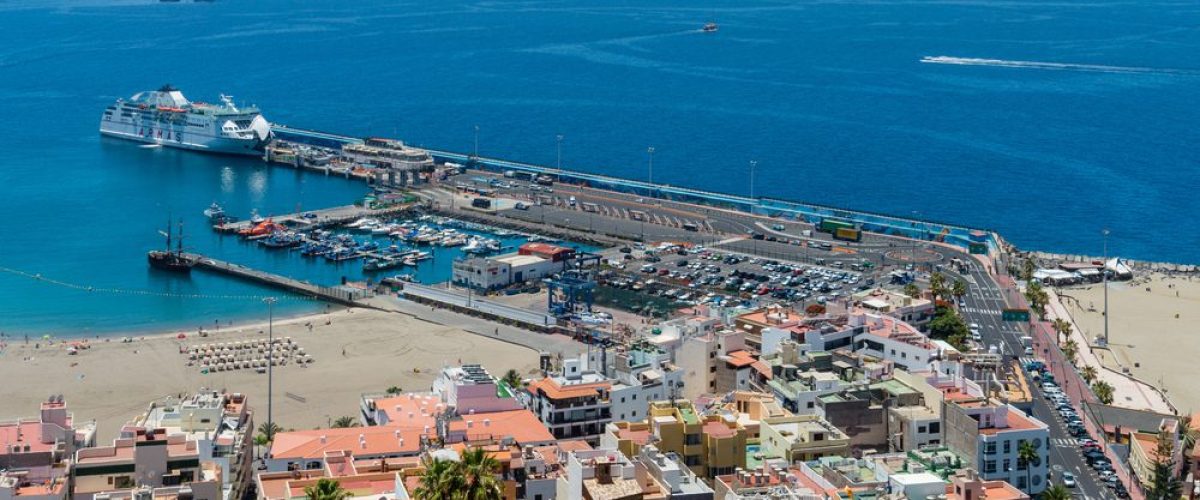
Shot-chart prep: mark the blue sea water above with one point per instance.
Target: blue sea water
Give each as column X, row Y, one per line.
column 830, row 98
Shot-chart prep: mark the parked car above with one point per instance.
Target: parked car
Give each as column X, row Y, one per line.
column 1068, row 480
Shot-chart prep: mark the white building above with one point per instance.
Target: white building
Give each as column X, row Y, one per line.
column 990, row 434
column 491, row 273
column 471, row 389
column 891, row 339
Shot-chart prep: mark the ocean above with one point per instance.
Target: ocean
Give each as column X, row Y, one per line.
column 1044, row 121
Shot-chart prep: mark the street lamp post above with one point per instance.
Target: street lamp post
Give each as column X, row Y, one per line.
column 1104, row 274
column 270, row 362
column 558, row 164
column 753, row 164
column 476, row 150
column 650, row 165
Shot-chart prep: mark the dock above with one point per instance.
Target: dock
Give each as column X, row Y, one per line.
column 339, row 295
column 316, row 219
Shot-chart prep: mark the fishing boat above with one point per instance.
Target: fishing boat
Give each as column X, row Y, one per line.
column 171, row 260
column 261, row 229
column 342, row 254
column 281, row 239
column 709, row 27
column 214, row 211
column 381, row 264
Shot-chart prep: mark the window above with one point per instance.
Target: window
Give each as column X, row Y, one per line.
column 622, row 399
column 810, row 404
column 635, row 397
column 935, row 427
column 1007, row 446
column 989, row 448
column 989, row 467
column 1007, row 465
column 921, row 429
column 903, row 355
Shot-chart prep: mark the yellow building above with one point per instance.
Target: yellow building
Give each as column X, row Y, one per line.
column 802, row 438
column 709, row 445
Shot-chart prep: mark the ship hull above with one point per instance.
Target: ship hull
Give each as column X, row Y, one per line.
column 183, row 139
column 169, row 262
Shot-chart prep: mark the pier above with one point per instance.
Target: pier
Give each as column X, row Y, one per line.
column 339, row 295
column 315, row 219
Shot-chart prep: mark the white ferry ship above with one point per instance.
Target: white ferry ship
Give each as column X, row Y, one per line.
column 165, row 117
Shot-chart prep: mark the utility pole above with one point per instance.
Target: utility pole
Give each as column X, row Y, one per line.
column 270, row 363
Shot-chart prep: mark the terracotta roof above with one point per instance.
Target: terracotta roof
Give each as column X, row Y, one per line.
column 375, row 441
column 718, row 429
column 740, row 359
column 520, row 425
column 551, row 389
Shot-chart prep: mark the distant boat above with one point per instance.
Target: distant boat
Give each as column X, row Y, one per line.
column 709, row 27
column 213, row 211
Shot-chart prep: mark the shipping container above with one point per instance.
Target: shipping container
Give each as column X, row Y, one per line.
column 846, row 234
column 832, row 225
column 484, row 203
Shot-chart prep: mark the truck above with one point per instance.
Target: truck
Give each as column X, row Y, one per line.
column 847, row 234
column 830, row 225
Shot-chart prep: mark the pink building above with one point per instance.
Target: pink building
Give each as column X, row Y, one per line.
column 36, row 453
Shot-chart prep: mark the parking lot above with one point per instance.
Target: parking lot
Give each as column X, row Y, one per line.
column 703, row 275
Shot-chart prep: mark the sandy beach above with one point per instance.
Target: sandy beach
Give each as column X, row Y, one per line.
column 1154, row 330
column 358, row 351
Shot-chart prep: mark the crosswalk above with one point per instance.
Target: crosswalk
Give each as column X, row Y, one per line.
column 1065, row 442
column 977, row 310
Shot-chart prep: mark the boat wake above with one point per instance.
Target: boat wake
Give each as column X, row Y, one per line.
column 150, row 146
column 1054, row 66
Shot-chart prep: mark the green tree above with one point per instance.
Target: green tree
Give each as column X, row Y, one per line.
column 479, row 469
column 440, row 480
column 394, row 390
column 1037, row 297
column 512, row 378
column 937, row 285
column 326, row 489
column 1027, row 269
column 344, row 422
column 959, row 290
column 269, row 429
column 949, row 326
column 912, row 290
column 1056, row 492
column 1027, row 458
column 1089, row 373
column 1164, row 482
column 1062, row 329
column 1070, row 349
column 1103, row 391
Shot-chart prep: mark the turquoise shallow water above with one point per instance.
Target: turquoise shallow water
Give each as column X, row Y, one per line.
column 1084, row 118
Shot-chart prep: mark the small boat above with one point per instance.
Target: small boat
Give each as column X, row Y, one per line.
column 280, row 239
column 381, row 264
column 709, row 27
column 213, row 211
column 254, row 217
column 262, row 229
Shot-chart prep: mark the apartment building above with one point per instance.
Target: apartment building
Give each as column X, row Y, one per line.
column 802, row 438
column 709, row 445
column 36, row 454
column 989, row 434
column 146, row 461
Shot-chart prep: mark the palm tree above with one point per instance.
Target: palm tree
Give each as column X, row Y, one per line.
column 480, row 470
column 1037, row 297
column 269, row 429
column 1089, row 373
column 1104, row 392
column 1056, row 492
column 394, row 390
column 344, row 422
column 512, row 378
column 326, row 489
column 959, row 290
column 937, row 285
column 1027, row 269
column 1070, row 349
column 1027, row 457
column 1062, row 328
column 912, row 290
column 441, row 479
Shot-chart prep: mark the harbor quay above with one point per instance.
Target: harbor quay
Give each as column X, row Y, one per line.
column 598, row 338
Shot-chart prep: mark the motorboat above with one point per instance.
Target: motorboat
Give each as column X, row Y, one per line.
column 214, row 211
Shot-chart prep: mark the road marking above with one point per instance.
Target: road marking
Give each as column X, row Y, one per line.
column 1065, row 442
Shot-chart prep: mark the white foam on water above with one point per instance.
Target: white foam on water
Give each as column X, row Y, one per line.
column 1054, row 66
